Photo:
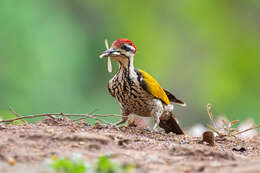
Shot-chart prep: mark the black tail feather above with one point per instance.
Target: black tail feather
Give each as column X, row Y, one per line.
column 173, row 99
column 171, row 125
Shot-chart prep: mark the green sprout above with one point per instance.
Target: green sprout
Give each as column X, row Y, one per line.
column 68, row 166
column 227, row 129
column 103, row 165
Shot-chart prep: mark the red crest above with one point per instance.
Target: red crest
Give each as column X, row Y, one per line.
column 121, row 41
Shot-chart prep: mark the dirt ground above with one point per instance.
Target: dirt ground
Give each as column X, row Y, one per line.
column 31, row 144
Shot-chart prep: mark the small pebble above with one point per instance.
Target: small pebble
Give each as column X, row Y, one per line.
column 11, row 161
column 208, row 136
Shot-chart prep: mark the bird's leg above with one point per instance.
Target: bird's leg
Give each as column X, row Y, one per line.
column 156, row 122
column 156, row 117
column 123, row 119
column 157, row 110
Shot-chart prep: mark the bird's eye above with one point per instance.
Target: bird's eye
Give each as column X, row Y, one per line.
column 128, row 47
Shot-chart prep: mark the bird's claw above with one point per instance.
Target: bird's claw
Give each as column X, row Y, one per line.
column 115, row 126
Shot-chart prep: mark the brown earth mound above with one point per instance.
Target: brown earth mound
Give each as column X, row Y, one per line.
column 31, row 144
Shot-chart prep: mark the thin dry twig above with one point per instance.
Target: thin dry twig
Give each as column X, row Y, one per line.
column 243, row 131
column 211, row 116
column 108, row 115
column 31, row 116
column 85, row 116
column 16, row 114
column 97, row 115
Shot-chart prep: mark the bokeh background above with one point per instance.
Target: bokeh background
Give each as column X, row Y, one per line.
column 203, row 51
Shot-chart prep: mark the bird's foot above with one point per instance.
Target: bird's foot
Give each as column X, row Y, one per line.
column 157, row 129
column 113, row 126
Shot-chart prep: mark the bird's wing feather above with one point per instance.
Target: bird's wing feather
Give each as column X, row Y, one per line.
column 153, row 87
column 173, row 99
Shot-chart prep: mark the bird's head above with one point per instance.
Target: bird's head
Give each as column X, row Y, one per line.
column 122, row 50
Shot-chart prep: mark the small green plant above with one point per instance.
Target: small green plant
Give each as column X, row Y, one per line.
column 227, row 128
column 68, row 166
column 103, row 165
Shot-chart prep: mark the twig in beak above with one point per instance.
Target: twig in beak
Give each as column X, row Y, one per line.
column 109, row 64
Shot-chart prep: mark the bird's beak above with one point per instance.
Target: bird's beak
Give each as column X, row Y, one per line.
column 110, row 52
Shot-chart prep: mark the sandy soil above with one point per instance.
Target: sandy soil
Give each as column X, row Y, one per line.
column 31, row 144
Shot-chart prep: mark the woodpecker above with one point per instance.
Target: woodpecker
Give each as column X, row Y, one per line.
column 138, row 92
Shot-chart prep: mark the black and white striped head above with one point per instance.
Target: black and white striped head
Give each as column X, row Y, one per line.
column 120, row 49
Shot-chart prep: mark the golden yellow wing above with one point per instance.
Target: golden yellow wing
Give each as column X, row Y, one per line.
column 153, row 87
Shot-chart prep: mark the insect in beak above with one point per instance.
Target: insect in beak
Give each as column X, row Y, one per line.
column 108, row 52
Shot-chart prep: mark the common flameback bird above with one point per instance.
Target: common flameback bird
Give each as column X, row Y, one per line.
column 138, row 92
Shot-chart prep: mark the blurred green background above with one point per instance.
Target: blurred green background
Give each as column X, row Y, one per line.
column 203, row 51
